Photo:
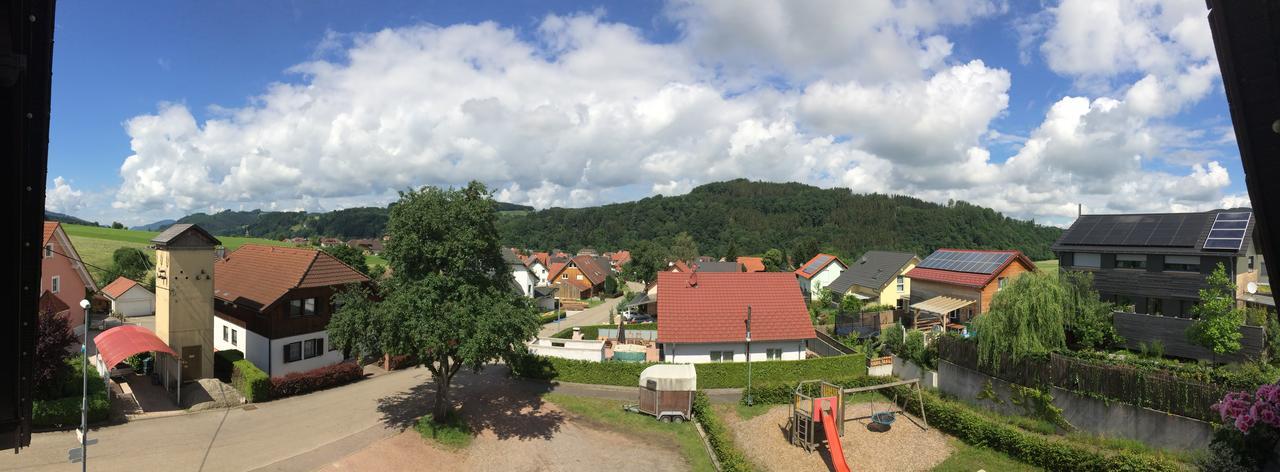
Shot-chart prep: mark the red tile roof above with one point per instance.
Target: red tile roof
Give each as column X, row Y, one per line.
column 118, row 287
column 50, row 303
column 712, row 307
column 262, row 274
column 752, row 264
column 968, row 279
column 49, row 228
column 678, row 265
column 621, row 257
column 587, row 265
column 809, row 275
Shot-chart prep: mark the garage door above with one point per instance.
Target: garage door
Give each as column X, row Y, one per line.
column 134, row 307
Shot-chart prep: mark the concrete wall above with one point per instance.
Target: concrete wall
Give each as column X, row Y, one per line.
column 701, row 353
column 904, row 369
column 568, row 349
column 1090, row 415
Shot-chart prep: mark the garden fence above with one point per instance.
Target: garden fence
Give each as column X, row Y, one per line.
column 1148, row 388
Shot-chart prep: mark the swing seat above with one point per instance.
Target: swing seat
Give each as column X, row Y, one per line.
column 884, row 418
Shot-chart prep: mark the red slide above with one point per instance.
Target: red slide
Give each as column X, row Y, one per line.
column 827, row 418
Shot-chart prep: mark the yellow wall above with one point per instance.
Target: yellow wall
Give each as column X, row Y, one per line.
column 184, row 301
column 890, row 295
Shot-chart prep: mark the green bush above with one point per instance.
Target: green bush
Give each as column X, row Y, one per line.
column 713, row 375
column 452, row 433
column 1052, row 454
column 251, row 381
column 65, row 410
column 779, row 393
column 550, row 317
column 731, row 459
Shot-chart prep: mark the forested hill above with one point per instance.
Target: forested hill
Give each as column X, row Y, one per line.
column 757, row 216
column 364, row 222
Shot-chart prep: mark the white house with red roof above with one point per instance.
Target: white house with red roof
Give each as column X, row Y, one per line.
column 819, row 272
column 702, row 317
column 130, row 298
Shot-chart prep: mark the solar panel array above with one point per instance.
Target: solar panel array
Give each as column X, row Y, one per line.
column 1228, row 230
column 817, row 263
column 1171, row 230
column 966, row 261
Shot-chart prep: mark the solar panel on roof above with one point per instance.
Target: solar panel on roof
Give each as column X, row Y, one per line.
column 1226, row 233
column 1227, row 238
column 1232, row 244
column 817, row 262
column 1237, row 216
column 962, row 261
column 1236, row 224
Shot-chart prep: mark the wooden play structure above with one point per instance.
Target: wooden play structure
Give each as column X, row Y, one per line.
column 819, row 404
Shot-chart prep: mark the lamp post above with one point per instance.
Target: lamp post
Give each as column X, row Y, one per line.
column 84, row 399
column 749, row 399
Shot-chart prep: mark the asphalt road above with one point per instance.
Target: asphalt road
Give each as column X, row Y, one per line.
column 596, row 315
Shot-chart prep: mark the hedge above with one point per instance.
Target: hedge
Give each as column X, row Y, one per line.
column 731, row 459
column 710, row 375
column 593, row 331
column 65, row 411
column 251, row 381
column 317, row 379
column 779, row 393
column 1031, row 448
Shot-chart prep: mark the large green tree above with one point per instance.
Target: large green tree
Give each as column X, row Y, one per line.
column 127, row 262
column 1217, row 327
column 349, row 256
column 647, row 259
column 774, row 261
column 449, row 300
column 803, row 250
column 684, row 248
column 1026, row 318
column 1088, row 318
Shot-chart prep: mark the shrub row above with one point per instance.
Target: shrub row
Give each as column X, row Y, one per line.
column 1038, row 450
column 731, row 459
column 313, row 380
column 714, row 375
column 65, row 410
column 251, row 381
column 780, row 392
column 402, row 361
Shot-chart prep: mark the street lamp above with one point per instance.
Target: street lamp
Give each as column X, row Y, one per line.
column 749, row 400
column 84, row 399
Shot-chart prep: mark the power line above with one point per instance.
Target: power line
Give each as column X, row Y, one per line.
column 145, row 259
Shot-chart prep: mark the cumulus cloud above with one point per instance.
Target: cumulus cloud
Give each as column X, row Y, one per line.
column 582, row 111
column 62, row 197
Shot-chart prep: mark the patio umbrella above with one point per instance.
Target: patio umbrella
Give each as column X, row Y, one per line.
column 622, row 331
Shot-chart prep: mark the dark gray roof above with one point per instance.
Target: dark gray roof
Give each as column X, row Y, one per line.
column 1149, row 233
column 873, row 270
column 719, row 267
column 542, row 292
column 512, row 259
column 186, row 235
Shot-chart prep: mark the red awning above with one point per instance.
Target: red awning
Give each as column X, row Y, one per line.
column 118, row 343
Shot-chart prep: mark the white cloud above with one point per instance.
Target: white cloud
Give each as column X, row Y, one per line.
column 62, row 198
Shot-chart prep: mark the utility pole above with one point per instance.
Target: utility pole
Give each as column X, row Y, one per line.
column 749, row 399
column 84, row 399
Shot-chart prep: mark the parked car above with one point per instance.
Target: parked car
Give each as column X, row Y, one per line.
column 640, row 318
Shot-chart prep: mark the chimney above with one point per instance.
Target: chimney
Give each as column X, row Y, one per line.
column 693, row 277
column 1079, row 209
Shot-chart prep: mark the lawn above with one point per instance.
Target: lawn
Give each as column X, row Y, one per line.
column 610, row 414
column 1049, row 266
column 968, row 458
column 96, row 244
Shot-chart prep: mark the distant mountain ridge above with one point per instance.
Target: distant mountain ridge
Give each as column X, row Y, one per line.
column 758, row 216
column 65, row 218
column 156, row 226
column 348, row 223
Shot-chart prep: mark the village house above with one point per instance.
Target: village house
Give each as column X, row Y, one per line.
column 818, row 273
column 580, row 278
column 274, row 304
column 130, row 298
column 952, row 286
column 521, row 278
column 371, row 246
column 752, row 264
column 63, row 275
column 878, row 278
column 704, row 317
column 538, row 268
column 330, row 242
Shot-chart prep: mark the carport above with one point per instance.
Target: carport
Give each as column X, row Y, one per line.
column 936, row 311
column 118, row 343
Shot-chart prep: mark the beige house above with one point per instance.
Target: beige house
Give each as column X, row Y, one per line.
column 878, row 278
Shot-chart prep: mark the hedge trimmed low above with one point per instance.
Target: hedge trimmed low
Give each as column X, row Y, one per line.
column 65, row 411
column 251, row 381
column 779, row 393
column 731, row 459
column 712, row 375
column 317, row 379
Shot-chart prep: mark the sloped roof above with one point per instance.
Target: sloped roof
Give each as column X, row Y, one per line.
column 118, row 287
column 49, row 228
column 969, row 279
column 818, row 264
column 874, row 270
column 189, row 234
column 590, row 266
column 257, row 276
column 1149, row 233
column 54, row 229
column 712, row 307
column 718, row 267
column 50, row 303
column 752, row 264
column 620, row 257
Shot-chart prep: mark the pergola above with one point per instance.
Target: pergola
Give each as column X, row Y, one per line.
column 117, row 344
column 940, row 306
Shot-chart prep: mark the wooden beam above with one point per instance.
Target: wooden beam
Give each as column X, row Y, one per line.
column 877, row 387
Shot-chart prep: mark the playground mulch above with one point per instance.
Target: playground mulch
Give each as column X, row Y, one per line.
column 905, row 446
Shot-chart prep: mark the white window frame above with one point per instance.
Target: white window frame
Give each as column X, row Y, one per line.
column 1000, row 283
column 902, row 283
column 721, row 356
column 48, row 251
column 55, row 284
column 773, row 354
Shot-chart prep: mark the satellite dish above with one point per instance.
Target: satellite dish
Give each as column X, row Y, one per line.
column 1252, row 287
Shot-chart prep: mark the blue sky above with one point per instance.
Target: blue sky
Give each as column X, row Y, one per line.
column 1026, row 108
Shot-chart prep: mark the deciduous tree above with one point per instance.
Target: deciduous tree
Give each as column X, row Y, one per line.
column 774, row 261
column 53, row 337
column 349, row 256
column 1217, row 327
column 684, row 248
column 1026, row 318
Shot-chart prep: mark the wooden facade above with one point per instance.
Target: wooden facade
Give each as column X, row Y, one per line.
column 1152, row 290
column 1138, row 329
column 274, row 321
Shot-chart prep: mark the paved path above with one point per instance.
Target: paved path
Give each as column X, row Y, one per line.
column 596, row 315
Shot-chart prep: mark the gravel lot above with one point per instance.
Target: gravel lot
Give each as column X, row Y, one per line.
column 905, row 447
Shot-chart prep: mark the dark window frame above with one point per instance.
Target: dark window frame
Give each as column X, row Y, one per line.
column 296, row 347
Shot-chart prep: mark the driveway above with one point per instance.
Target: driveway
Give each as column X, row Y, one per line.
column 596, row 315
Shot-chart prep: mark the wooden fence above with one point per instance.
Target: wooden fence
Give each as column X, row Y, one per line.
column 1145, row 388
column 1138, row 329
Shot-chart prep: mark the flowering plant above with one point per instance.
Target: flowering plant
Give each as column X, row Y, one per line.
column 1245, row 411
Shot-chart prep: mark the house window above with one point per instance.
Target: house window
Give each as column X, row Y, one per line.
column 226, row 336
column 312, row 348
column 1155, row 306
column 773, row 354
column 1091, row 260
column 48, row 250
column 579, row 276
column 55, row 284
column 1182, row 263
column 1000, row 283
column 292, row 352
column 234, row 341
column 1131, row 261
column 564, row 276
column 295, row 307
column 721, row 356
column 1251, row 263
column 309, row 307
column 902, row 284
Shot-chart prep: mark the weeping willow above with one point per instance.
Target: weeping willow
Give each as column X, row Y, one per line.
column 1026, row 318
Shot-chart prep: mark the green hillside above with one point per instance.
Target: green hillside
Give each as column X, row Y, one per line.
column 757, row 216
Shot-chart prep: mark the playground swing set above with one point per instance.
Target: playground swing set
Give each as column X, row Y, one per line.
column 826, row 411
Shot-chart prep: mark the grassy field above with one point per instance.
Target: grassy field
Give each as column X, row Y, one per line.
column 968, row 458
column 1050, row 266
column 609, row 413
column 96, row 244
